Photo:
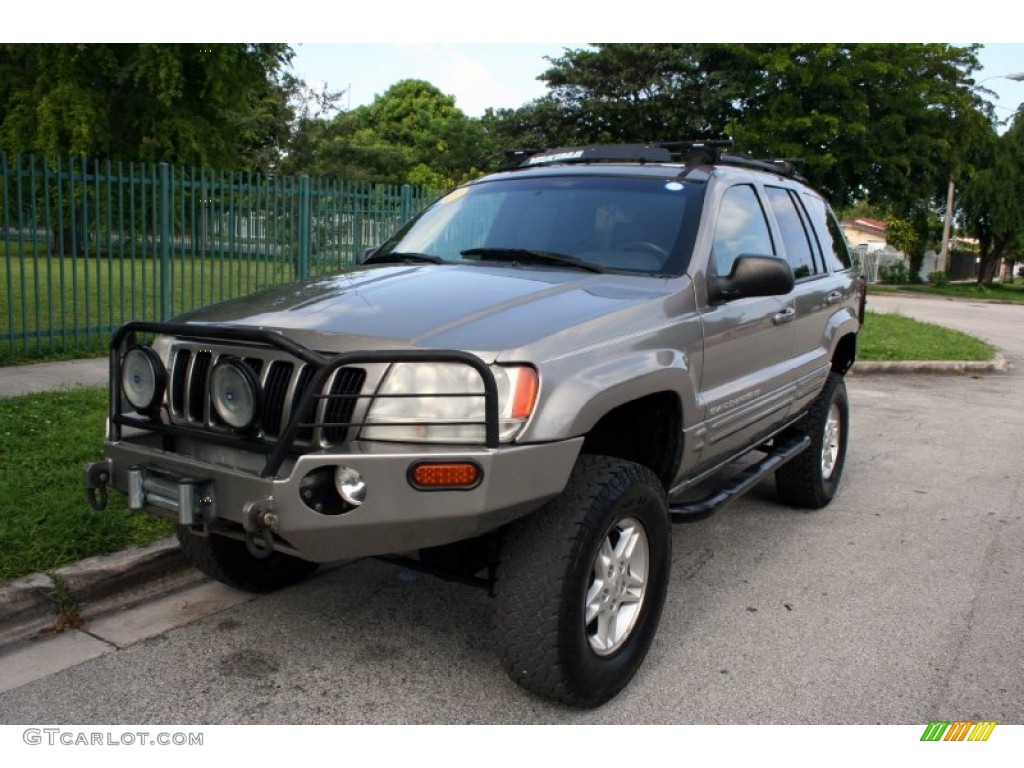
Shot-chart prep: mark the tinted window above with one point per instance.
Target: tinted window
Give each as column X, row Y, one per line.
column 795, row 237
column 741, row 228
column 831, row 237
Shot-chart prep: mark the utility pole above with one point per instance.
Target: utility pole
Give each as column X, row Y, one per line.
column 941, row 266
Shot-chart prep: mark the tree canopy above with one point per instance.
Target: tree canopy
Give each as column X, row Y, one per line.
column 221, row 105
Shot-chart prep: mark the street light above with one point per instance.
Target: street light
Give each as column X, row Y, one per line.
column 940, row 265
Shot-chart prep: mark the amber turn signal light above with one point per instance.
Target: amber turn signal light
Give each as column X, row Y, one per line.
column 436, row 475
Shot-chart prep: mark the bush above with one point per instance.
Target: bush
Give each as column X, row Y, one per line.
column 938, row 279
column 894, row 274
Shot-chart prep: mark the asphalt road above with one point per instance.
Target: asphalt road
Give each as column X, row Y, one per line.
column 898, row 604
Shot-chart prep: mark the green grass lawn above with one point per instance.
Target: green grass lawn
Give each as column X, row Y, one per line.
column 45, row 521
column 888, row 337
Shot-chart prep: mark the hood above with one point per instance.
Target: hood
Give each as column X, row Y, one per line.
column 459, row 306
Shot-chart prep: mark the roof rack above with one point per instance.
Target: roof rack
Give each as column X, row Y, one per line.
column 700, row 151
column 691, row 153
column 595, row 153
column 783, row 167
column 709, row 152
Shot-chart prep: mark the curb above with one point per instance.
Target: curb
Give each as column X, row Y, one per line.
column 92, row 587
column 998, row 364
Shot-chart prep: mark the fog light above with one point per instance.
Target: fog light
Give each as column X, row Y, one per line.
column 351, row 486
column 143, row 378
column 235, row 393
column 454, row 475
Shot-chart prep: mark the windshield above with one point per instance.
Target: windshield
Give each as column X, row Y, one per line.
column 640, row 225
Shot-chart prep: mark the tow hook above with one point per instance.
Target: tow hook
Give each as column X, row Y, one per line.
column 97, row 478
column 260, row 521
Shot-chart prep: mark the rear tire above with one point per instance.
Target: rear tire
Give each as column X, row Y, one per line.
column 228, row 560
column 581, row 584
column 812, row 478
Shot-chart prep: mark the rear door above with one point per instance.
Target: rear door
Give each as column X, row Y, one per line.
column 814, row 293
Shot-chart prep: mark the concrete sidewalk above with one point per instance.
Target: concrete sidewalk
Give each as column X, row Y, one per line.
column 46, row 377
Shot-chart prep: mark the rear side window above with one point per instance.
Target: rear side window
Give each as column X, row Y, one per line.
column 829, row 235
column 797, row 240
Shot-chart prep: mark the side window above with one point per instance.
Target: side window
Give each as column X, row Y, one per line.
column 795, row 237
column 741, row 228
column 831, row 237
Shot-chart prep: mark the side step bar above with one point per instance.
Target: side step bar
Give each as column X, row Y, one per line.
column 751, row 476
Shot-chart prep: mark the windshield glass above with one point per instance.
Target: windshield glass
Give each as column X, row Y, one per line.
column 640, row 225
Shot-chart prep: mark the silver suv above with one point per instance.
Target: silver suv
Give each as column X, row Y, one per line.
column 523, row 387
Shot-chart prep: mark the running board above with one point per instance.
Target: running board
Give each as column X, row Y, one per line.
column 751, row 476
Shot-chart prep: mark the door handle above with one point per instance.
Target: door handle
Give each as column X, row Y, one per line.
column 786, row 315
column 834, row 298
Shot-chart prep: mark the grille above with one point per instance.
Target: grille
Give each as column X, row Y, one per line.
column 283, row 383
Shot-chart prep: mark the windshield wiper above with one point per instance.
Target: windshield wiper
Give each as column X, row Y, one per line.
column 527, row 254
column 396, row 257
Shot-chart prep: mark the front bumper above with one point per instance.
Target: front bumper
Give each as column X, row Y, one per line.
column 395, row 516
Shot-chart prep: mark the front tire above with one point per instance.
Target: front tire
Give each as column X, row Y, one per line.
column 812, row 478
column 228, row 560
column 581, row 584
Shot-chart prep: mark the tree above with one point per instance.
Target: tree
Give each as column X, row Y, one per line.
column 990, row 198
column 412, row 134
column 883, row 122
column 220, row 105
column 901, row 235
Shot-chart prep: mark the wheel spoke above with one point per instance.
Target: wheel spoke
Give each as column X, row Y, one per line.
column 830, row 442
column 593, row 600
column 626, row 544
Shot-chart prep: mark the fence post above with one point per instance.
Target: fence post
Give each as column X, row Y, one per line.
column 406, row 203
column 166, row 308
column 305, row 223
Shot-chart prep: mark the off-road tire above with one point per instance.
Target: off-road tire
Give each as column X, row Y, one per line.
column 812, row 478
column 545, row 583
column 228, row 560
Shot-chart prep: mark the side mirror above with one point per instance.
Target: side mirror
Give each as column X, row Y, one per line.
column 753, row 276
column 367, row 253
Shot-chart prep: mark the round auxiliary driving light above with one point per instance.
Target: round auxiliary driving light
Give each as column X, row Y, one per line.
column 143, row 378
column 351, row 485
column 235, row 393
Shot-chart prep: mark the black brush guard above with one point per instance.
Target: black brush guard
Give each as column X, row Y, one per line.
column 323, row 366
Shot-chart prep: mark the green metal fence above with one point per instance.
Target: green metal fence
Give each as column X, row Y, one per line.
column 86, row 246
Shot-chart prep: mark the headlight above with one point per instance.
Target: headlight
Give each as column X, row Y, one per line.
column 235, row 393
column 143, row 378
column 443, row 403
